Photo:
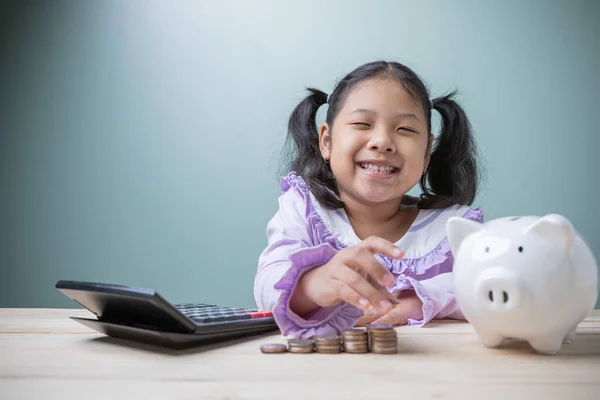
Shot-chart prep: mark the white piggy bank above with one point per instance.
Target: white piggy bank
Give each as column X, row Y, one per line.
column 529, row 278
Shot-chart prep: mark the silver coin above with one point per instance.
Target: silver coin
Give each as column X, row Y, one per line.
column 332, row 351
column 375, row 327
column 327, row 337
column 329, row 346
column 382, row 332
column 384, row 339
column 384, row 345
column 301, row 342
column 301, row 350
column 272, row 348
column 356, row 350
column 328, row 340
column 354, row 333
column 349, row 345
column 332, row 343
column 378, row 348
column 388, row 344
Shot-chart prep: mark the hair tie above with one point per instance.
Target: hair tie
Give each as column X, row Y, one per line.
column 327, row 101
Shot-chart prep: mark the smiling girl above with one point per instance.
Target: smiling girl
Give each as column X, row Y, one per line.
column 347, row 245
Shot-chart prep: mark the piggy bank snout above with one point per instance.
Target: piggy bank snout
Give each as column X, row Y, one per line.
column 499, row 290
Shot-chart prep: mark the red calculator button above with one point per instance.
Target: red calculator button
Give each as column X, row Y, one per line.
column 261, row 314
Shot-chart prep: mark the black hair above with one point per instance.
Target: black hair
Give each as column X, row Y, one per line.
column 451, row 177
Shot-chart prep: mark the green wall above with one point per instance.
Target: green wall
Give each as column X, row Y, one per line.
column 139, row 140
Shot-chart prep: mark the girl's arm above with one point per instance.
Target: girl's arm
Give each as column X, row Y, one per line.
column 426, row 299
column 289, row 254
column 437, row 293
column 438, row 298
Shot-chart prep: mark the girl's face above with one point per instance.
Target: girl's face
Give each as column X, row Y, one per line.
column 379, row 145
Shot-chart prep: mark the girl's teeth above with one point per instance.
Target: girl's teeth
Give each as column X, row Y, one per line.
column 378, row 168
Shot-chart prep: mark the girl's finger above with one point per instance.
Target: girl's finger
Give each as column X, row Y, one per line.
column 349, row 295
column 392, row 297
column 366, row 262
column 379, row 245
column 371, row 314
column 397, row 316
column 359, row 284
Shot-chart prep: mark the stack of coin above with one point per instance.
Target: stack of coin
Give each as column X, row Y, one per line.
column 355, row 341
column 328, row 344
column 301, row 346
column 382, row 339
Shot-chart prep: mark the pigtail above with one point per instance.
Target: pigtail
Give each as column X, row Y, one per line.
column 306, row 160
column 451, row 177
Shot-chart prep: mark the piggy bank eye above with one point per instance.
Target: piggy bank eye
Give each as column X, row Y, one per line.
column 520, row 249
column 487, row 249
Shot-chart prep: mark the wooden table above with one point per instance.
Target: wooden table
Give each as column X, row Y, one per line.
column 44, row 354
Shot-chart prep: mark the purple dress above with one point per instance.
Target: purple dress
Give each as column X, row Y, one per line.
column 303, row 235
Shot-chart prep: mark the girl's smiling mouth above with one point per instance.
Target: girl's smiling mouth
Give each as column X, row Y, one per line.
column 378, row 169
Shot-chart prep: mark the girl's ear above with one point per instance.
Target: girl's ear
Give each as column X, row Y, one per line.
column 325, row 141
column 428, row 152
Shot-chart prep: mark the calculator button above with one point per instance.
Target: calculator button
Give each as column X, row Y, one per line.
column 200, row 308
column 261, row 314
column 239, row 317
column 204, row 320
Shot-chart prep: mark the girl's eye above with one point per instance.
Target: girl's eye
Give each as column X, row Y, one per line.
column 361, row 125
column 407, row 129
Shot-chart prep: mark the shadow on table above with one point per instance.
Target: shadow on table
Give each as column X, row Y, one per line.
column 154, row 348
column 582, row 345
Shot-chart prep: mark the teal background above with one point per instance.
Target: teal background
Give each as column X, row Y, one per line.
column 140, row 140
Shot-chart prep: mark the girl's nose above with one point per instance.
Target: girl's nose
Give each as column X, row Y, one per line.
column 381, row 142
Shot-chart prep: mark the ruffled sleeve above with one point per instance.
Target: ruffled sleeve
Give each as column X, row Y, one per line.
column 436, row 292
column 292, row 251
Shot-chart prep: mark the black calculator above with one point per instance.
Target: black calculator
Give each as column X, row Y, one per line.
column 143, row 315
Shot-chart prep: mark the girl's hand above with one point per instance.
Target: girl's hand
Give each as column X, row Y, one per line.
column 409, row 306
column 345, row 278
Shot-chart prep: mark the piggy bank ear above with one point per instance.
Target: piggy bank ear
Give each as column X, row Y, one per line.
column 554, row 227
column 458, row 228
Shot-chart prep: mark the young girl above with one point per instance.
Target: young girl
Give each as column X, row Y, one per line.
column 347, row 245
